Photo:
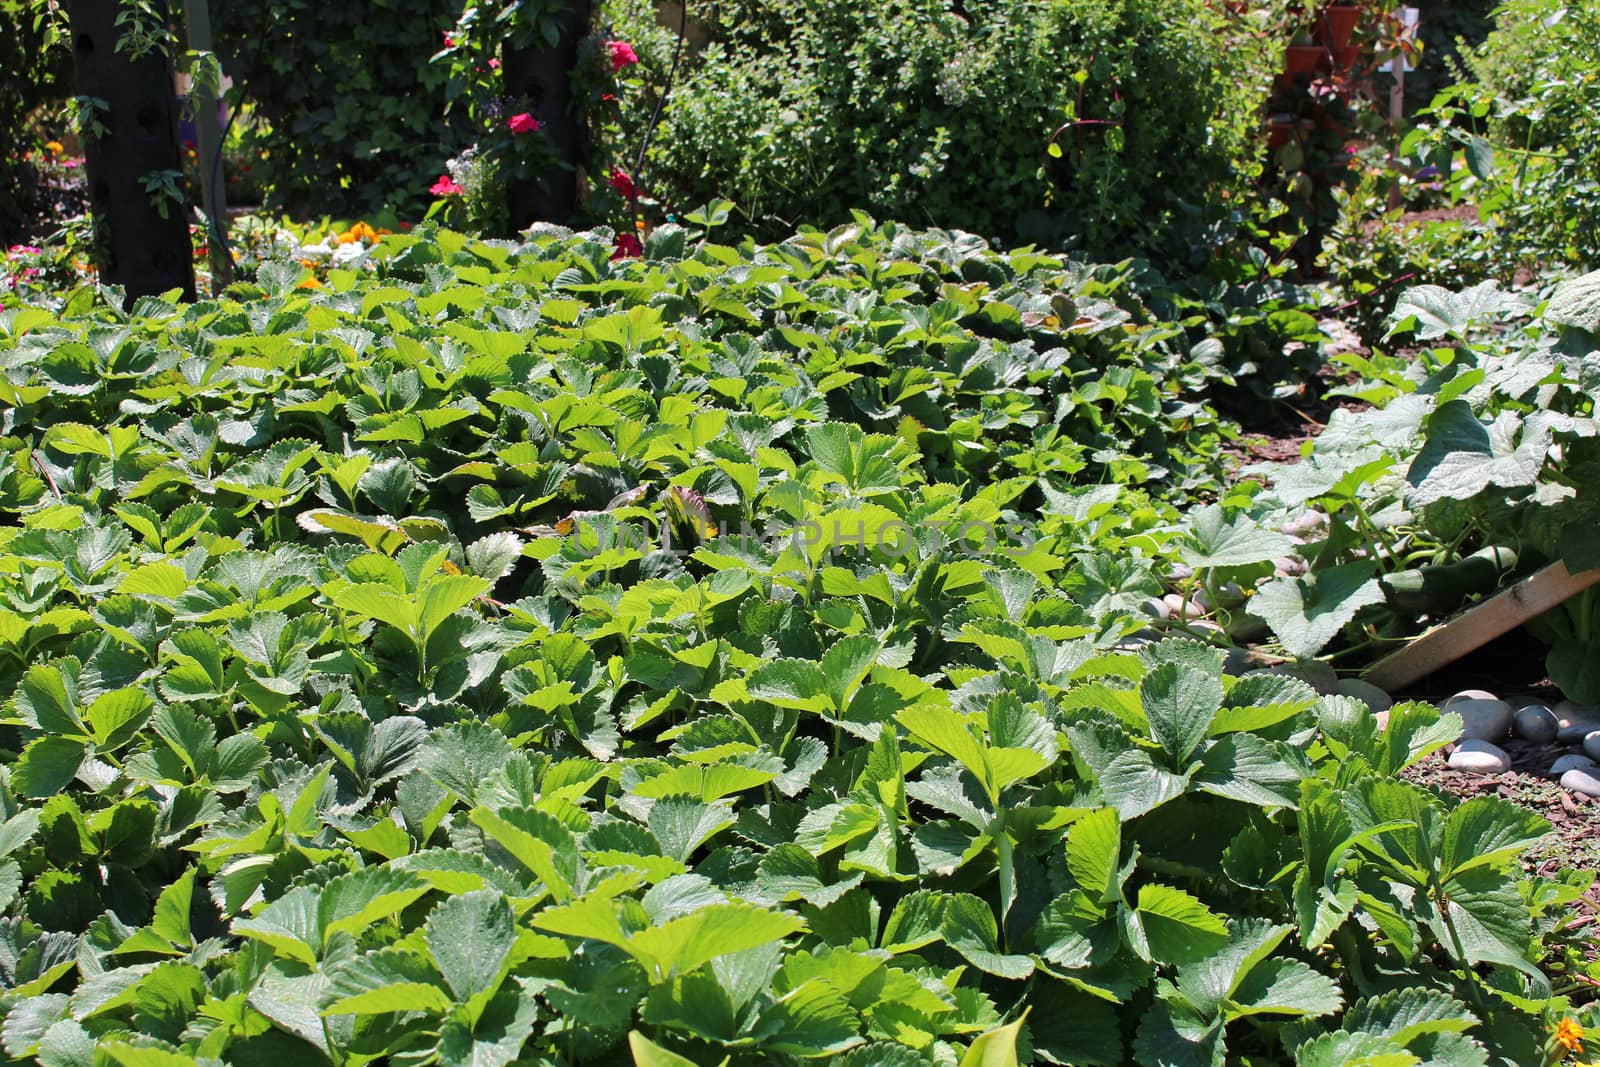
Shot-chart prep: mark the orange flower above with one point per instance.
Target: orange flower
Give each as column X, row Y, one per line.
column 1569, row 1035
column 54, row 147
column 308, row 283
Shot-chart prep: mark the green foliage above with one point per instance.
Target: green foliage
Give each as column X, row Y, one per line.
column 1111, row 124
column 355, row 707
column 1375, row 253
column 1478, row 460
column 1526, row 131
column 31, row 76
column 349, row 112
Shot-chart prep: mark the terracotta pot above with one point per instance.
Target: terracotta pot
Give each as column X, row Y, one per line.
column 1337, row 24
column 1301, row 59
column 1279, row 129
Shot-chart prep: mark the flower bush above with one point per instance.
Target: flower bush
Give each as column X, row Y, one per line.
column 508, row 147
column 929, row 110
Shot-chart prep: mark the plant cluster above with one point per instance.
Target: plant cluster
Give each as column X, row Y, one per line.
column 1519, row 137
column 510, row 145
column 345, row 120
column 1113, row 124
column 1479, row 459
column 30, row 75
column 498, row 653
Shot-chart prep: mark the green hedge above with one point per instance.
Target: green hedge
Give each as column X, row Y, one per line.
column 936, row 111
column 351, row 106
column 27, row 80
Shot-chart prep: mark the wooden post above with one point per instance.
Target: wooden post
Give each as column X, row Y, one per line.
column 541, row 75
column 1500, row 614
column 141, row 238
column 213, row 190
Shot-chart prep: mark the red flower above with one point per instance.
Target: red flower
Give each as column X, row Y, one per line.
column 445, row 187
column 623, row 184
column 523, row 123
column 622, row 55
column 626, row 245
column 449, row 40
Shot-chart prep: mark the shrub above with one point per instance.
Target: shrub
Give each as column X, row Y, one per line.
column 1448, row 30
column 928, row 110
column 349, row 116
column 1530, row 125
column 29, row 77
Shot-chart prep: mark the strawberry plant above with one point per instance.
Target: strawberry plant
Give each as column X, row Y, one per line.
column 503, row 654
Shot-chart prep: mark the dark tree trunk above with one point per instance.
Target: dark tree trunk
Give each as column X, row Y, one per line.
column 135, row 246
column 542, row 75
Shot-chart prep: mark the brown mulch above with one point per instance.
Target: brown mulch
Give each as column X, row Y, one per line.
column 1574, row 841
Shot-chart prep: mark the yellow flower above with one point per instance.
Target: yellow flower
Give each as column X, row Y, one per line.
column 54, row 147
column 1569, row 1035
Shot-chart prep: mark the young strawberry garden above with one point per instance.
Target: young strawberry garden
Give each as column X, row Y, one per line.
column 763, row 632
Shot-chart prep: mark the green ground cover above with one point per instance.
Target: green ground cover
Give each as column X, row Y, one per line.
column 492, row 652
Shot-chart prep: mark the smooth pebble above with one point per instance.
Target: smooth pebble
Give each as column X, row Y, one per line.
column 1574, row 733
column 1591, row 745
column 1570, row 712
column 1181, row 609
column 1374, row 698
column 1482, row 718
column 1536, row 723
column 1480, row 757
column 1580, row 780
column 1571, row 761
column 1469, row 694
column 1156, row 608
column 1315, row 673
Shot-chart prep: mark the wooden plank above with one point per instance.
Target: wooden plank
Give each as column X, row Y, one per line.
column 1476, row 627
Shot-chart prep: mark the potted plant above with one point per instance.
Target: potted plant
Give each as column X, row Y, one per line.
column 1304, row 57
column 1336, row 24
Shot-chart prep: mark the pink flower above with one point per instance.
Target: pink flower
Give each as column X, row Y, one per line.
column 24, row 250
column 445, row 187
column 494, row 64
column 623, row 184
column 523, row 123
column 626, row 245
column 622, row 55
